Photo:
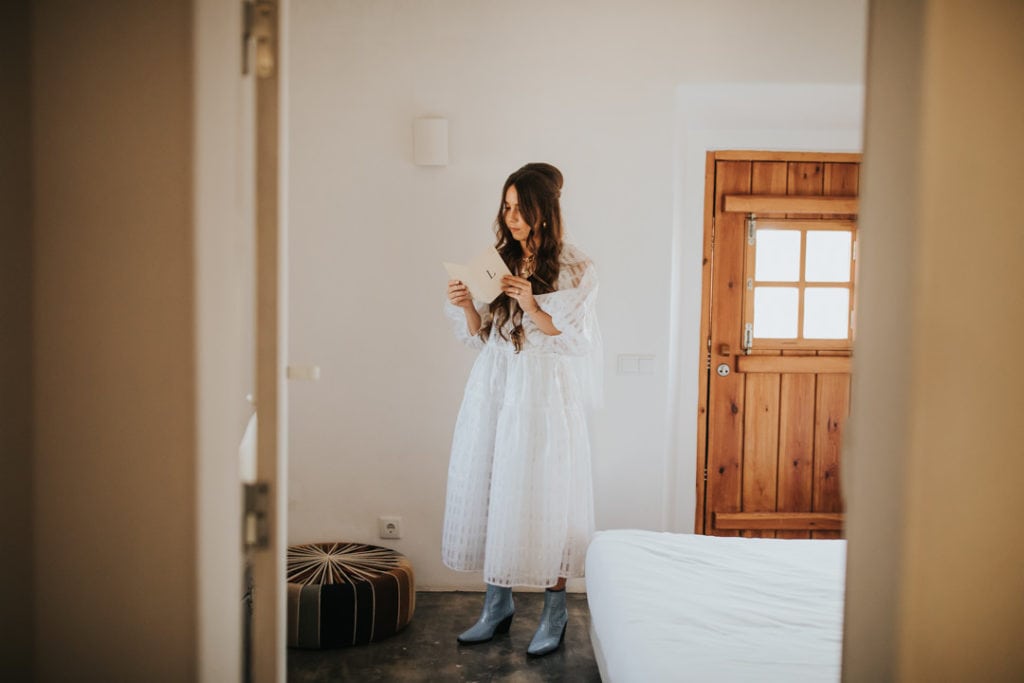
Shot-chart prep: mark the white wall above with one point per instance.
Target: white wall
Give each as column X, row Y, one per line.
column 584, row 85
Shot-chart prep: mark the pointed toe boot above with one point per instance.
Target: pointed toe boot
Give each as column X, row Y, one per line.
column 553, row 621
column 496, row 616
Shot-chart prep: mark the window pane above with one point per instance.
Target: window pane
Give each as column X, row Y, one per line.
column 775, row 312
column 777, row 256
column 826, row 313
column 828, row 256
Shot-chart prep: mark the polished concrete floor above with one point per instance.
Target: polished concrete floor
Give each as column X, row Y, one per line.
column 426, row 650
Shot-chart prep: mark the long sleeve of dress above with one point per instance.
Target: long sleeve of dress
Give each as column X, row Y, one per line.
column 459, row 328
column 573, row 313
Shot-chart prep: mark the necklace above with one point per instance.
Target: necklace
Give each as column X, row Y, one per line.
column 526, row 266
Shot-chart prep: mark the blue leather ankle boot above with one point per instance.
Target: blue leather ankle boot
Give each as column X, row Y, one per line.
column 553, row 620
column 496, row 616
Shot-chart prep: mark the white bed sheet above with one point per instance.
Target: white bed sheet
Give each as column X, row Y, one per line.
column 686, row 607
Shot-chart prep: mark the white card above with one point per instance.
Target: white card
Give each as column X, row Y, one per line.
column 482, row 275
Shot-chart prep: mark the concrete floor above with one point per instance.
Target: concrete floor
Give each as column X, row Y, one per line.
column 426, row 650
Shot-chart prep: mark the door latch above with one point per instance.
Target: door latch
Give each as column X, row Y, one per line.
column 258, row 21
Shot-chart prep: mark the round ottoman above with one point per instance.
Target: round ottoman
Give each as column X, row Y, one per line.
column 347, row 594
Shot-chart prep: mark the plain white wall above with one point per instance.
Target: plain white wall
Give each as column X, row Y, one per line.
column 588, row 86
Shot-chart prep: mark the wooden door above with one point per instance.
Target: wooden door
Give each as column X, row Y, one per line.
column 777, row 331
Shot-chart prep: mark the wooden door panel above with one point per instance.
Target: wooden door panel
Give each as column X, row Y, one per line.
column 806, row 178
column 842, row 180
column 796, row 446
column 725, row 442
column 760, row 455
column 773, row 424
column 769, row 178
column 725, row 404
column 832, row 407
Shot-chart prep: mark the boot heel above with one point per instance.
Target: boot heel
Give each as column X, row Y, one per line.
column 505, row 624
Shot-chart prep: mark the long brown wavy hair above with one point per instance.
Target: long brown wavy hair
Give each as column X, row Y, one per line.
column 539, row 187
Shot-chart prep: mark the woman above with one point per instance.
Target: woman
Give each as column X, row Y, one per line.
column 519, row 504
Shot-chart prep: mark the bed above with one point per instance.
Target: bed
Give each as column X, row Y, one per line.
column 686, row 607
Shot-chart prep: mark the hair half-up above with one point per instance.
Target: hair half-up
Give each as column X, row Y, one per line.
column 539, row 188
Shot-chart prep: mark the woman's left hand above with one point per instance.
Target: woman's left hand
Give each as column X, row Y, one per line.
column 521, row 290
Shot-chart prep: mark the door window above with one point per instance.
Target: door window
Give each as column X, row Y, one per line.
column 799, row 277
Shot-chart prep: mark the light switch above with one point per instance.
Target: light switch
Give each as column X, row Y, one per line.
column 628, row 364
column 309, row 373
column 636, row 364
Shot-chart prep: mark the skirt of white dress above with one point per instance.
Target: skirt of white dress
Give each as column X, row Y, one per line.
column 519, row 504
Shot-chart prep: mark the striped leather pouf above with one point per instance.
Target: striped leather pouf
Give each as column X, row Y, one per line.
column 347, row 594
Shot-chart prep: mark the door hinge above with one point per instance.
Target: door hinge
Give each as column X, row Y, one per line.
column 256, row 525
column 748, row 337
column 247, row 22
column 259, row 21
column 751, row 229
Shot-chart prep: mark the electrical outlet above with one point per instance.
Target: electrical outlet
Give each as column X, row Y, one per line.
column 390, row 527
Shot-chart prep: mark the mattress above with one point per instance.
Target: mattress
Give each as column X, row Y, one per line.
column 686, row 607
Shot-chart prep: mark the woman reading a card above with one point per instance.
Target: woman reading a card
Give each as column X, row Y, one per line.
column 519, row 504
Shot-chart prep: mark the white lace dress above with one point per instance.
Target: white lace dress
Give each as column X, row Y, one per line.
column 519, row 505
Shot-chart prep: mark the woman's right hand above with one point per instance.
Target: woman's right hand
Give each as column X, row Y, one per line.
column 458, row 294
